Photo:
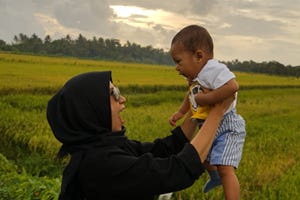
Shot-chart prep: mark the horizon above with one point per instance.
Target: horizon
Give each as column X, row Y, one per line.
column 245, row 30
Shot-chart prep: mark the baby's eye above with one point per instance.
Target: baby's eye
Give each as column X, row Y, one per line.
column 177, row 61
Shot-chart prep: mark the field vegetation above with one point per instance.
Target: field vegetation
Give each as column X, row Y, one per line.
column 270, row 167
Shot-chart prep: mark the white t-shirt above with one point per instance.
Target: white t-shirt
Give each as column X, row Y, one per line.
column 213, row 75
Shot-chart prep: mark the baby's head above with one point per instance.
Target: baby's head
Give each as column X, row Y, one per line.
column 191, row 48
column 194, row 37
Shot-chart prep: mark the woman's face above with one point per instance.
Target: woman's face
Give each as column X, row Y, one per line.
column 117, row 104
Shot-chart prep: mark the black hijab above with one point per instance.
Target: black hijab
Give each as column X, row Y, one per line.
column 80, row 118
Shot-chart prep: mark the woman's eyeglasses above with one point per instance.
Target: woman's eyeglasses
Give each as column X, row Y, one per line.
column 115, row 93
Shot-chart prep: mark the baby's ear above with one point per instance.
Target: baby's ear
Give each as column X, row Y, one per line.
column 199, row 54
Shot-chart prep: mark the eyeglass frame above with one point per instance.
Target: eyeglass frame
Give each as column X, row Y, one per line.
column 115, row 93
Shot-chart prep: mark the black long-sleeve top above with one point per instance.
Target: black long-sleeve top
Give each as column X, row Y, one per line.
column 139, row 171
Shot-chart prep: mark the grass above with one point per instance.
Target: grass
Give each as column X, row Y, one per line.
column 270, row 154
column 27, row 72
column 17, row 184
column 270, row 165
column 39, row 73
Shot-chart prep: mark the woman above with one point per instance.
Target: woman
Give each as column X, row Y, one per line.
column 85, row 117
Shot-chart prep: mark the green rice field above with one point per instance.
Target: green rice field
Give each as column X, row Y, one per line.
column 270, row 167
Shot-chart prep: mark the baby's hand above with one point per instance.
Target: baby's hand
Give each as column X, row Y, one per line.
column 175, row 117
column 172, row 121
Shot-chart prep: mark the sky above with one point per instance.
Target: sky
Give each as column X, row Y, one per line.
column 256, row 30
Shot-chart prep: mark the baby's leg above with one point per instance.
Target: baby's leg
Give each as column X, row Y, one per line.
column 230, row 182
column 214, row 180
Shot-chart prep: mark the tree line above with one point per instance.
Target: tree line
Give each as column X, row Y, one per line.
column 271, row 68
column 81, row 47
column 112, row 49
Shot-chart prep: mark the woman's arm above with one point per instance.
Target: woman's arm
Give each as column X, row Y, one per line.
column 188, row 126
column 205, row 136
column 217, row 95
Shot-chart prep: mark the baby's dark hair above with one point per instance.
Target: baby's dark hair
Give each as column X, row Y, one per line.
column 194, row 37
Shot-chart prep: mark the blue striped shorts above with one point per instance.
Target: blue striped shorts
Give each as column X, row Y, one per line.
column 228, row 144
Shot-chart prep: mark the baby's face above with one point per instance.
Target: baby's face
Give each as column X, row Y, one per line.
column 186, row 61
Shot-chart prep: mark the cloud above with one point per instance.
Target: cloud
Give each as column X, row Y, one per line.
column 52, row 27
column 18, row 17
column 85, row 15
column 241, row 29
column 175, row 6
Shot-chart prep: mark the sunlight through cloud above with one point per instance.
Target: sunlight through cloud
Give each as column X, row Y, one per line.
column 127, row 11
column 147, row 18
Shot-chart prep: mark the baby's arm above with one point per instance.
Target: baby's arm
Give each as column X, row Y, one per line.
column 217, row 95
column 183, row 109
